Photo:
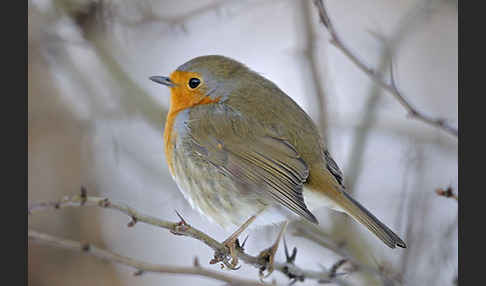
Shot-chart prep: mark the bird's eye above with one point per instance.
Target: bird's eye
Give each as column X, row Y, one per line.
column 194, row 82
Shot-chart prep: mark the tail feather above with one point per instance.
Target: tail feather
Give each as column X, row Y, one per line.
column 362, row 215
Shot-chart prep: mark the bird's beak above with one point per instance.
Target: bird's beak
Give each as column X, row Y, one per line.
column 162, row 80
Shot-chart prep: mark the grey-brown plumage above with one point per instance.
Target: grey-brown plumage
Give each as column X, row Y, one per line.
column 255, row 143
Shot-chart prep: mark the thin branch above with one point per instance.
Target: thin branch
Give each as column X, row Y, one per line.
column 140, row 266
column 391, row 86
column 310, row 52
column 222, row 253
column 220, row 8
column 316, row 235
column 408, row 23
column 336, row 266
column 149, row 16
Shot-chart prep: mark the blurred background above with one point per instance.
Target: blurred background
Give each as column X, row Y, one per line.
column 95, row 119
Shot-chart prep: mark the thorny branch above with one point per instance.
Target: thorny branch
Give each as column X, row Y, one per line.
column 140, row 266
column 222, row 253
column 315, row 235
column 388, row 86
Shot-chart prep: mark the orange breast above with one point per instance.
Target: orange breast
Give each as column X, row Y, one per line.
column 181, row 98
column 169, row 143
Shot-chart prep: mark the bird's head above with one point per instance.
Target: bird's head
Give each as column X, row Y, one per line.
column 202, row 80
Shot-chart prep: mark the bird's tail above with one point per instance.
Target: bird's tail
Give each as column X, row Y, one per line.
column 362, row 215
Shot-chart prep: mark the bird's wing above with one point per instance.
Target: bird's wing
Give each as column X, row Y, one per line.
column 253, row 156
column 333, row 168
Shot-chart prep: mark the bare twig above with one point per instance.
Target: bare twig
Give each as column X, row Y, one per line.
column 411, row 20
column 418, row 208
column 318, row 236
column 140, row 266
column 448, row 193
column 132, row 98
column 336, row 266
column 222, row 253
column 315, row 83
column 220, row 8
column 149, row 16
column 391, row 86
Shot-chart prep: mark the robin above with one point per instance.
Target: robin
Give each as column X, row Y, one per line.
column 239, row 148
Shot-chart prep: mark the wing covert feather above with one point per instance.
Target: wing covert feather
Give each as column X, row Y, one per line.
column 256, row 158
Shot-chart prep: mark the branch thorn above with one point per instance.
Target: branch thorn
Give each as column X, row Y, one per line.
column 196, row 262
column 84, row 195
column 85, row 246
column 132, row 222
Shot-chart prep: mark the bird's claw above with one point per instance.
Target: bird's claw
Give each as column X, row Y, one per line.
column 232, row 245
column 231, row 260
column 268, row 255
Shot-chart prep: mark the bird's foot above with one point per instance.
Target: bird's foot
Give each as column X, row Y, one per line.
column 268, row 255
column 232, row 244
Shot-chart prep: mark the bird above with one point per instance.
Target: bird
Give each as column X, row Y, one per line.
column 239, row 148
